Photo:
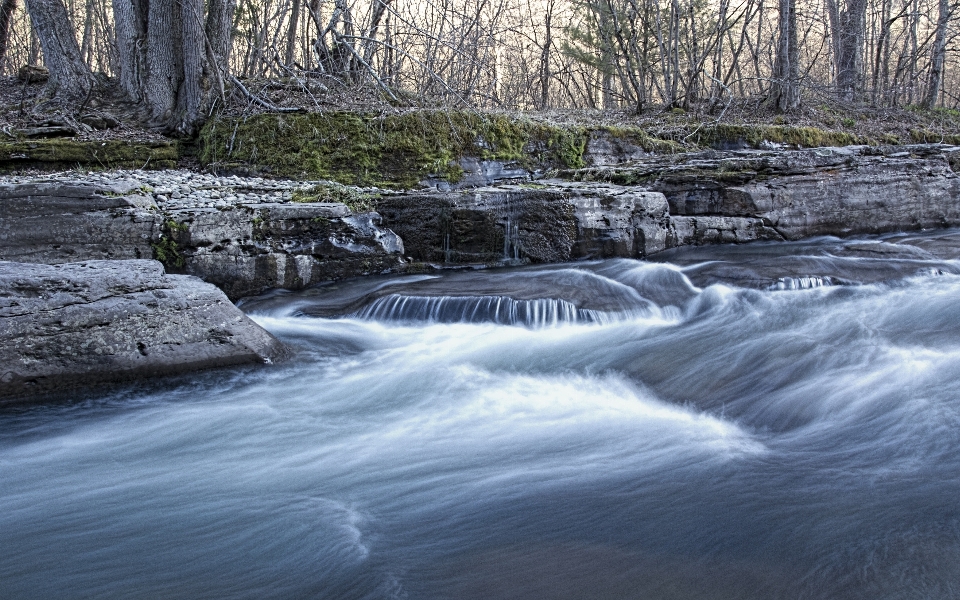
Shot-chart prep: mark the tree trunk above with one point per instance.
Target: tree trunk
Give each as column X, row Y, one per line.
column 129, row 18
column 939, row 55
column 70, row 78
column 786, row 69
column 171, row 58
column 545, row 57
column 7, row 8
column 163, row 59
column 292, row 33
column 220, row 32
column 847, row 34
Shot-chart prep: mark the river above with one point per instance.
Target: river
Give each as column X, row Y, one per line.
column 760, row 421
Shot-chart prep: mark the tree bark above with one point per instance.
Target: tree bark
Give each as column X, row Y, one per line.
column 292, row 33
column 939, row 55
column 163, row 59
column 7, row 8
column 847, row 34
column 70, row 78
column 191, row 100
column 786, row 69
column 130, row 29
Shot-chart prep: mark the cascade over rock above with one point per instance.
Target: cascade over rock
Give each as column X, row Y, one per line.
column 246, row 236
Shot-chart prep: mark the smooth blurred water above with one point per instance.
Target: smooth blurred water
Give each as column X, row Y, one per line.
column 618, row 429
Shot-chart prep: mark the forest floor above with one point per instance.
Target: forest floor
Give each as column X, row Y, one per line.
column 20, row 118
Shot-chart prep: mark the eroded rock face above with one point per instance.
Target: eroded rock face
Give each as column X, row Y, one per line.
column 246, row 235
column 55, row 222
column 803, row 193
column 246, row 246
column 554, row 221
column 77, row 324
column 249, row 248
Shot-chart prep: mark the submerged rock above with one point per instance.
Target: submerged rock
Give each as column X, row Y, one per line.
column 78, row 324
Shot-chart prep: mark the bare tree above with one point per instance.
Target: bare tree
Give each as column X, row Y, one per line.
column 70, row 80
column 786, row 72
column 7, row 8
column 939, row 56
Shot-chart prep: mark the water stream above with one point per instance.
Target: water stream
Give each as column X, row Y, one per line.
column 759, row 421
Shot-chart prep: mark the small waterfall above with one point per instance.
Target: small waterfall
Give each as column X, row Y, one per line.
column 801, row 283
column 511, row 241
column 544, row 312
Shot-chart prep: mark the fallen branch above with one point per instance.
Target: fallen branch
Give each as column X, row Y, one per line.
column 264, row 103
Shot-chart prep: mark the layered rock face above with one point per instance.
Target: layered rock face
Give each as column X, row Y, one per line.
column 552, row 221
column 247, row 235
column 56, row 222
column 803, row 193
column 249, row 248
column 257, row 242
column 77, row 324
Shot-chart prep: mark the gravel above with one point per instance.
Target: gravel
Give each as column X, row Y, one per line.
column 180, row 188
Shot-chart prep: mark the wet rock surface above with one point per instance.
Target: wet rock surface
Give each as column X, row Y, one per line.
column 821, row 262
column 243, row 234
column 250, row 234
column 550, row 221
column 803, row 193
column 79, row 324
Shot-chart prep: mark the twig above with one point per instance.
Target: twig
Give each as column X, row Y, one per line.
column 723, row 112
column 264, row 103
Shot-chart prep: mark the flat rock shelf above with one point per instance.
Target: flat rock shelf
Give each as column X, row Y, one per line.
column 95, row 322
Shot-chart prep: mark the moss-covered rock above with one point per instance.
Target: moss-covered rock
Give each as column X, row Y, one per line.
column 401, row 150
column 722, row 135
column 354, row 198
column 59, row 153
column 396, row 151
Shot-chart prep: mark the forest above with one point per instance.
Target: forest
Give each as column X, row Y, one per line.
column 169, row 64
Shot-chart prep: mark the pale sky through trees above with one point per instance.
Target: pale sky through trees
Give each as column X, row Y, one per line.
column 531, row 54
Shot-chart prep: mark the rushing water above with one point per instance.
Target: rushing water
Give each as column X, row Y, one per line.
column 761, row 421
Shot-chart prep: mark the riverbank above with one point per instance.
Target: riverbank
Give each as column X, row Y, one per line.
column 250, row 234
column 247, row 234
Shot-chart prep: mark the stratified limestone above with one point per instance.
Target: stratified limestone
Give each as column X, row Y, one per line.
column 55, row 222
column 245, row 247
column 804, row 193
column 553, row 221
column 247, row 235
column 249, row 248
column 78, row 324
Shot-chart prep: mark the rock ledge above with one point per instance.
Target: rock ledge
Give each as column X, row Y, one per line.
column 77, row 324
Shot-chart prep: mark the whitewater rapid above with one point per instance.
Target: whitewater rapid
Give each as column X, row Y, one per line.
column 754, row 422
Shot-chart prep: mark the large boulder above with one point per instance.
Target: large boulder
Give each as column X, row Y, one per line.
column 77, row 324
column 56, row 222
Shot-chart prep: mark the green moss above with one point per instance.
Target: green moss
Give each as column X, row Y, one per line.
column 355, row 199
column 167, row 249
column 641, row 138
column 59, row 153
column 754, row 135
column 925, row 136
column 395, row 151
